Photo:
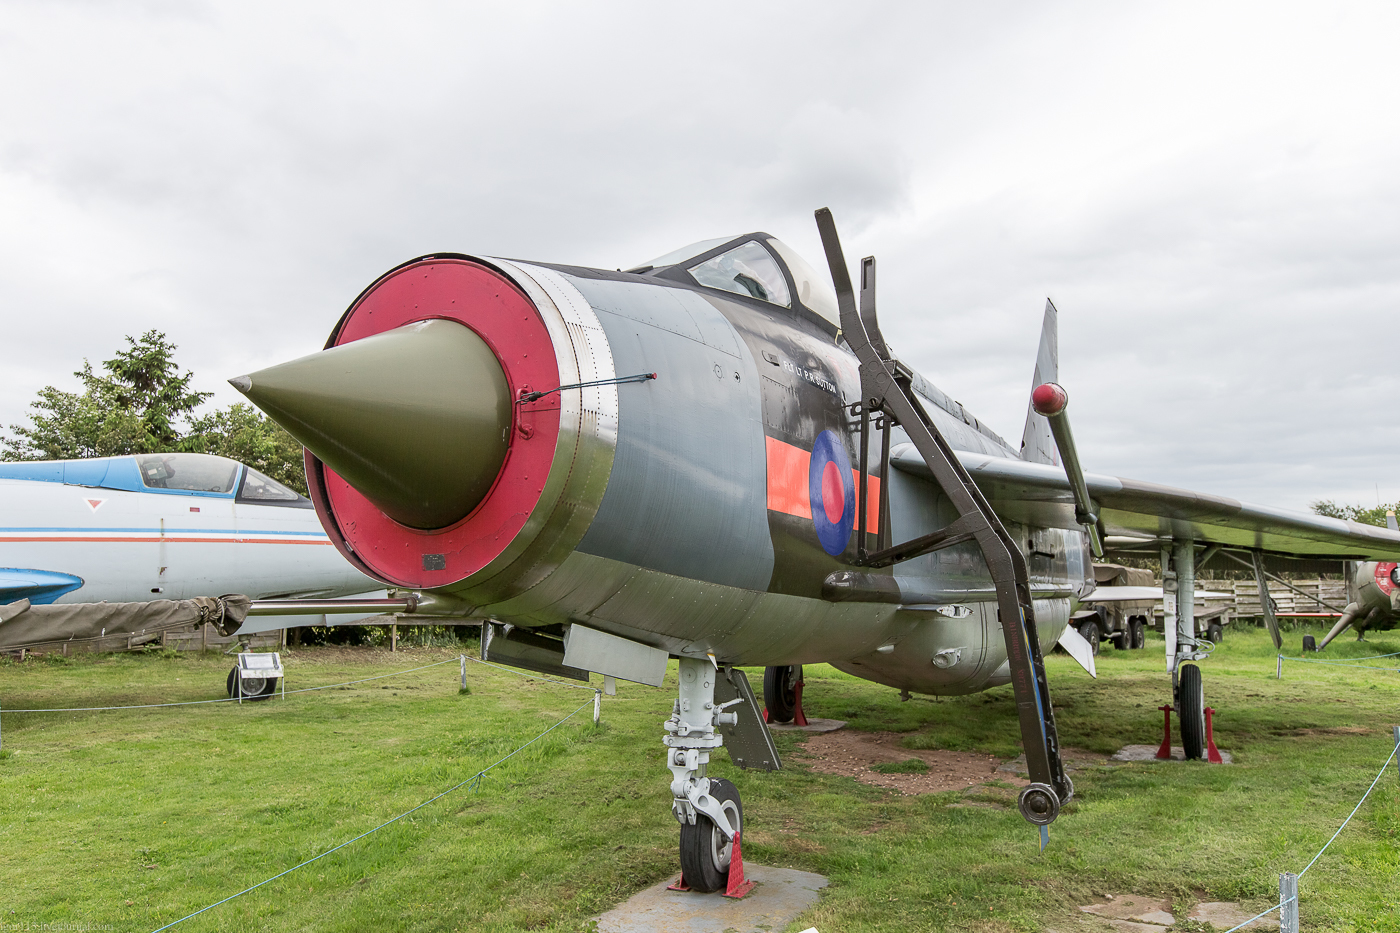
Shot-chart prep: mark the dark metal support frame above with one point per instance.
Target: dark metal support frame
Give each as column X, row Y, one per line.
column 887, row 388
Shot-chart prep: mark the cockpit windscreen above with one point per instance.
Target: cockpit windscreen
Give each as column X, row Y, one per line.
column 260, row 488
column 748, row 269
column 191, row 472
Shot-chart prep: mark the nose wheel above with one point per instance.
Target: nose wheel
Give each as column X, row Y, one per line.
column 251, row 688
column 706, row 853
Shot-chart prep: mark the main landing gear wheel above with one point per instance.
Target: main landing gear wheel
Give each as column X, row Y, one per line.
column 1137, row 633
column 1309, row 643
column 254, row 688
column 1089, row 631
column 780, row 691
column 1192, row 711
column 705, row 852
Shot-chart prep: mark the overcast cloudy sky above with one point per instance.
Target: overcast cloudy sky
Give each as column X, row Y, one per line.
column 1209, row 192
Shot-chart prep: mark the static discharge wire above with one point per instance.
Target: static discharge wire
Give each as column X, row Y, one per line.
column 474, row 781
column 619, row 380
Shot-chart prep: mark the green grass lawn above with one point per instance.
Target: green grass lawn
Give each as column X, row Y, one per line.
column 129, row 820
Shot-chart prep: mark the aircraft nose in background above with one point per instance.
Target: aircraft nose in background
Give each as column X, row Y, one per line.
column 416, row 418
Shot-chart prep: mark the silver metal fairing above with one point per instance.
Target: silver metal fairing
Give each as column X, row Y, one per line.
column 691, row 617
column 687, row 491
column 951, row 657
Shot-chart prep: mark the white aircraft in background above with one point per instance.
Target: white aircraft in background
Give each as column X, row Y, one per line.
column 166, row 526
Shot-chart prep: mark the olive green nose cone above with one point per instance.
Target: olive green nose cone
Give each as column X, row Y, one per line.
column 417, row 418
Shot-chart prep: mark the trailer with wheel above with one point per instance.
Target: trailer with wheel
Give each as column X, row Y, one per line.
column 1122, row 622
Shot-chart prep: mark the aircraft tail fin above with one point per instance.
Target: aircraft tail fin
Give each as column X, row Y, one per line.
column 1037, row 443
column 1390, row 520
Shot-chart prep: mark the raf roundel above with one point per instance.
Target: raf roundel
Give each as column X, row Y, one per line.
column 832, row 492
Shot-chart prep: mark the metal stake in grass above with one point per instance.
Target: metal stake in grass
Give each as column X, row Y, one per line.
column 1288, row 902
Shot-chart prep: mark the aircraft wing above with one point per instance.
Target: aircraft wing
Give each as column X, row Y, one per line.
column 1131, row 594
column 1040, row 493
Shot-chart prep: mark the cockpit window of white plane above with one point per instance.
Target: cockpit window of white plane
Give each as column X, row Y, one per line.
column 192, row 472
column 748, row 269
column 259, row 488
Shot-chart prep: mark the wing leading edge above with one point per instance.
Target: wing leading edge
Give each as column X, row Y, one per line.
column 1039, row 494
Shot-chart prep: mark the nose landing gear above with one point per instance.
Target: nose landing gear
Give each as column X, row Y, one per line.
column 708, row 809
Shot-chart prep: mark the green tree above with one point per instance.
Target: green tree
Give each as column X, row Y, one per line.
column 241, row 432
column 134, row 408
column 141, row 403
column 1356, row 513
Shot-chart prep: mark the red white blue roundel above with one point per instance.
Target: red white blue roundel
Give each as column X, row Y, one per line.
column 832, row 492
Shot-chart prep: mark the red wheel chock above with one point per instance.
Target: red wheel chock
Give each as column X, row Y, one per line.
column 1165, row 751
column 1212, row 753
column 738, row 884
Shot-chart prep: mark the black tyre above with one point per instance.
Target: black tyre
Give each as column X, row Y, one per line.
column 1119, row 640
column 705, row 852
column 1089, row 631
column 1137, row 631
column 1309, row 643
column 261, row 688
column 1215, row 633
column 1191, row 708
column 780, row 691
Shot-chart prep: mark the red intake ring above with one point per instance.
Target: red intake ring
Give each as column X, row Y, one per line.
column 501, row 315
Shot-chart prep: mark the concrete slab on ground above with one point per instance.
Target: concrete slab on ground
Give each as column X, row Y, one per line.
column 1134, row 907
column 1224, row 915
column 780, row 895
column 813, row 725
column 1149, row 753
column 1133, row 913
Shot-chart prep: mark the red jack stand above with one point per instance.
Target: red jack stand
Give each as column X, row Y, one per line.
column 799, row 718
column 1212, row 753
column 1165, row 751
column 738, row 884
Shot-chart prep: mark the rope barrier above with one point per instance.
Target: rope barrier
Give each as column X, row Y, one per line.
column 548, row 680
column 475, row 782
column 1353, row 812
column 1373, row 657
column 1286, row 901
column 1367, row 667
column 1278, row 906
column 95, row 709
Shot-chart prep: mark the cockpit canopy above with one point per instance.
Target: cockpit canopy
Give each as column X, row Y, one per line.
column 756, row 266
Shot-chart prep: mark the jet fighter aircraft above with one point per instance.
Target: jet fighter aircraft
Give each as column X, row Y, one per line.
column 170, row 525
column 715, row 457
column 166, row 526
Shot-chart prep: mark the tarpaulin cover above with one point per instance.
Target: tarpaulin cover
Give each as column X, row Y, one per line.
column 26, row 626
